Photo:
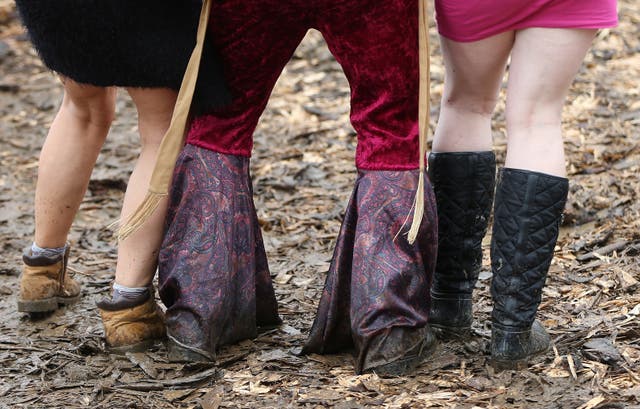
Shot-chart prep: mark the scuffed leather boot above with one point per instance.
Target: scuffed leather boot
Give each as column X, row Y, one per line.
column 44, row 284
column 179, row 352
column 399, row 352
column 132, row 325
column 527, row 217
column 464, row 183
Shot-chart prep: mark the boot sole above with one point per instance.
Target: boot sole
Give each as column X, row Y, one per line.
column 445, row 333
column 179, row 354
column 517, row 364
column 137, row 347
column 405, row 366
column 46, row 304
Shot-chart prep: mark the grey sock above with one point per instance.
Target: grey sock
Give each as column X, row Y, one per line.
column 38, row 251
column 121, row 292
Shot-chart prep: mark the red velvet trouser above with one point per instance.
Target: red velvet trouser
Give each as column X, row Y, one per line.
column 377, row 291
column 374, row 41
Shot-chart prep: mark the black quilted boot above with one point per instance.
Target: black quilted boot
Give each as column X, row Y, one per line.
column 527, row 215
column 463, row 183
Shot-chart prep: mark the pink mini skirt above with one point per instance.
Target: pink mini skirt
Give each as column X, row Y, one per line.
column 473, row 20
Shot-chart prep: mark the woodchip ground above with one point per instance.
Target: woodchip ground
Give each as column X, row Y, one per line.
column 303, row 174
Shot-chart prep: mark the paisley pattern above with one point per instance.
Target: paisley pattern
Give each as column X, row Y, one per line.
column 376, row 296
column 213, row 272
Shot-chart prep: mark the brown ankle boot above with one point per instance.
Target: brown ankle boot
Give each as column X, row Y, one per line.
column 132, row 325
column 44, row 283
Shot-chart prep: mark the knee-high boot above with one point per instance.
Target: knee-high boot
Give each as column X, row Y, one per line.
column 527, row 216
column 464, row 184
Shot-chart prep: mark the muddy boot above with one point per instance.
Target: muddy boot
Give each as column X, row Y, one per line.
column 44, row 284
column 179, row 352
column 463, row 183
column 527, row 217
column 131, row 324
column 375, row 301
column 399, row 351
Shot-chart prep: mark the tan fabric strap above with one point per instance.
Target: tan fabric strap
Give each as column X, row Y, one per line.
column 173, row 140
column 423, row 116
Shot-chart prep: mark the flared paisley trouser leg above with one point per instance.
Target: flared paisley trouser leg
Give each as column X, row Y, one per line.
column 214, row 277
column 376, row 297
column 213, row 271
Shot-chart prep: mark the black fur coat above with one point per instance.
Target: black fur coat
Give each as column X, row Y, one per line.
column 128, row 43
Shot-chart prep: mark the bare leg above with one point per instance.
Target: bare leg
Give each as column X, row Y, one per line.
column 137, row 255
column 68, row 157
column 474, row 72
column 543, row 65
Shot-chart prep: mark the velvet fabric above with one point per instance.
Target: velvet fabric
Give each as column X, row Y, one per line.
column 213, row 273
column 374, row 41
column 376, row 296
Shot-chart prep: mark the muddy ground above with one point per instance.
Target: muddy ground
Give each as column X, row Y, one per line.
column 303, row 174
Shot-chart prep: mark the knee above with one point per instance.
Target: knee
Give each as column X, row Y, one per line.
column 532, row 113
column 153, row 123
column 93, row 106
column 152, row 131
column 470, row 103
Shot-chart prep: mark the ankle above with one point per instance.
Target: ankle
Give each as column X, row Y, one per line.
column 49, row 252
column 121, row 293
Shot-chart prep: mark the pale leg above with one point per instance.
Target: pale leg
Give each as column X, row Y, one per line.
column 474, row 72
column 543, row 65
column 462, row 172
column 68, row 157
column 138, row 253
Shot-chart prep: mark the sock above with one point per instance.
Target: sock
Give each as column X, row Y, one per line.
column 121, row 292
column 38, row 251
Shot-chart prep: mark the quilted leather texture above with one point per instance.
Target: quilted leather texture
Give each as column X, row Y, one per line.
column 464, row 184
column 527, row 215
